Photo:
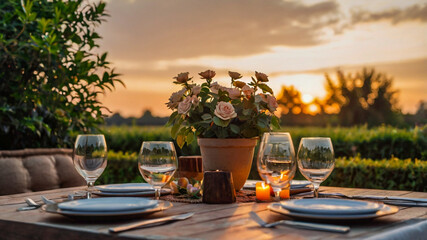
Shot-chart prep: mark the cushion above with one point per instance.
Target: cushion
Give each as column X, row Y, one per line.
column 37, row 170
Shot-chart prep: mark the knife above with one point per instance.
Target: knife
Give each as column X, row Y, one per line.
column 379, row 198
column 152, row 221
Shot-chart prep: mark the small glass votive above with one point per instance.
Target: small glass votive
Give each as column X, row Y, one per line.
column 262, row 191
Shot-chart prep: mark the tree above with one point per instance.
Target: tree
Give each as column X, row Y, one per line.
column 50, row 73
column 364, row 97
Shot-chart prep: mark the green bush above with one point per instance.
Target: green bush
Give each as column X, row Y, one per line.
column 121, row 168
column 129, row 139
column 391, row 174
column 376, row 143
column 51, row 73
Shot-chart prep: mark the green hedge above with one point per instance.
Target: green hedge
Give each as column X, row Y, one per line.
column 121, row 168
column 376, row 143
column 391, row 174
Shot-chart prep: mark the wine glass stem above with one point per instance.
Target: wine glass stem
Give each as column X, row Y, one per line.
column 90, row 185
column 316, row 189
column 157, row 193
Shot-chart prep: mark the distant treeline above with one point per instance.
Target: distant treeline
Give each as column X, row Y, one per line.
column 353, row 99
column 147, row 119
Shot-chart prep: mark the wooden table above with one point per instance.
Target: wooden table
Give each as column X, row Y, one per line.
column 226, row 221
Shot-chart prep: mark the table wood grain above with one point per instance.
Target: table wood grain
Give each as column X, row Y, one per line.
column 211, row 221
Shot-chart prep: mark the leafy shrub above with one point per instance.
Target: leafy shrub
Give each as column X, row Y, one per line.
column 129, row 139
column 121, row 168
column 376, row 143
column 50, row 73
column 392, row 174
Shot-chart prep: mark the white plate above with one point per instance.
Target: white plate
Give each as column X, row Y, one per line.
column 385, row 210
column 330, row 206
column 106, row 216
column 295, row 184
column 115, row 204
column 125, row 187
column 164, row 191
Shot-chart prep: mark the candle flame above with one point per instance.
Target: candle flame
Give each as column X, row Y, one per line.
column 264, row 186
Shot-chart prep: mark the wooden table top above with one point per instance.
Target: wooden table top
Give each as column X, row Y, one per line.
column 211, row 221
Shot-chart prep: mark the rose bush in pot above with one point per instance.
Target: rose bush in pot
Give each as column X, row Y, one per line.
column 214, row 114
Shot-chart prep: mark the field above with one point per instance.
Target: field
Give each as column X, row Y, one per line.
column 383, row 158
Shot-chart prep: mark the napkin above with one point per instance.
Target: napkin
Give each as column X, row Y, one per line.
column 413, row 232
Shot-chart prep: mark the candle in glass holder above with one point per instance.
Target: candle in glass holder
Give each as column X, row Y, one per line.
column 262, row 191
column 285, row 194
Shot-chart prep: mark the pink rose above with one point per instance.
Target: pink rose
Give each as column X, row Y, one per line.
column 175, row 98
column 225, row 111
column 234, row 75
column 233, row 93
column 262, row 77
column 182, row 77
column 272, row 103
column 208, row 74
column 248, row 91
column 195, row 100
column 215, row 87
column 185, row 106
column 196, row 90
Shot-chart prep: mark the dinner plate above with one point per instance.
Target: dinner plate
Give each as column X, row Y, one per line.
column 330, row 206
column 125, row 187
column 295, row 184
column 107, row 216
column 164, row 191
column 116, row 204
column 384, row 210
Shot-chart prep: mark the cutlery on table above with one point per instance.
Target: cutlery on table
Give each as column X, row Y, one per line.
column 152, row 221
column 299, row 224
column 32, row 205
column 393, row 200
column 46, row 200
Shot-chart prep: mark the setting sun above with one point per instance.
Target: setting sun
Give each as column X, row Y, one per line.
column 307, row 98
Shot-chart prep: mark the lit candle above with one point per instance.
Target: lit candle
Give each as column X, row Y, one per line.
column 262, row 191
column 285, row 194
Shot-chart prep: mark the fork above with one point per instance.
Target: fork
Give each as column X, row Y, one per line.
column 299, row 224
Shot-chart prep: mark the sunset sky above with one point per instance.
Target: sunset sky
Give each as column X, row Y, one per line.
column 294, row 42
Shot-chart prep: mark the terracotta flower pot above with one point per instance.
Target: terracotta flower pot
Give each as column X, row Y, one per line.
column 234, row 155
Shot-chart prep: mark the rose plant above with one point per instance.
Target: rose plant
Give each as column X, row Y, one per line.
column 210, row 110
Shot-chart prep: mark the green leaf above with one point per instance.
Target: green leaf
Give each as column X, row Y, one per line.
column 180, row 141
column 275, row 122
column 234, row 128
column 247, row 112
column 221, row 123
column 175, row 127
column 190, row 137
column 171, row 118
column 206, row 116
column 265, row 88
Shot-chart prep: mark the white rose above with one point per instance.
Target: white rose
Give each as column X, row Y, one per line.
column 184, row 106
column 233, row 93
column 248, row 91
column 225, row 111
column 175, row 98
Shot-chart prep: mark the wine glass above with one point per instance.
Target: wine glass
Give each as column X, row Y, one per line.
column 157, row 162
column 276, row 161
column 316, row 160
column 90, row 158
